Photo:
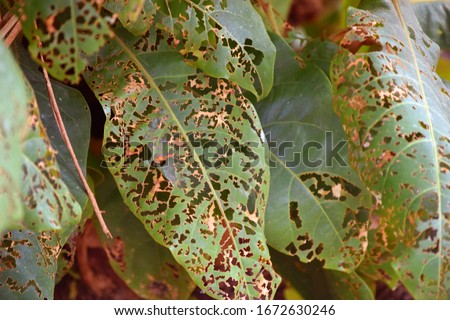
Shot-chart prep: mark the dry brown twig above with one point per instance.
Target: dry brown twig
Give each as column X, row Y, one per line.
column 62, row 130
column 10, row 29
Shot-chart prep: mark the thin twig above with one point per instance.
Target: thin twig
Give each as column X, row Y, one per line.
column 8, row 26
column 267, row 8
column 13, row 34
column 66, row 139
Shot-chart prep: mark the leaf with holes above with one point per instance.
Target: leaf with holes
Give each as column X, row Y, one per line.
column 148, row 268
column 396, row 113
column 187, row 153
column 77, row 119
column 434, row 17
column 29, row 258
column 218, row 38
column 135, row 15
column 67, row 29
column 46, row 201
column 317, row 208
column 28, row 264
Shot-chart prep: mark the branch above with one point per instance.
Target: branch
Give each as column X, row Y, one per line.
column 11, row 29
column 62, row 130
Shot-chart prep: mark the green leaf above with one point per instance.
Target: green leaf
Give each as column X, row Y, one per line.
column 13, row 128
column 148, row 268
column 313, row 282
column 434, row 17
column 28, row 264
column 241, row 50
column 77, row 120
column 383, row 272
column 317, row 207
column 29, row 258
column 395, row 111
column 67, row 29
column 216, row 36
column 226, row 39
column 47, row 202
column 320, row 53
column 49, row 205
column 187, row 153
column 135, row 15
column 348, row 286
column 282, row 7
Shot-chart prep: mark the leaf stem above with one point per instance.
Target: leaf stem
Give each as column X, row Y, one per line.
column 66, row 139
column 267, row 8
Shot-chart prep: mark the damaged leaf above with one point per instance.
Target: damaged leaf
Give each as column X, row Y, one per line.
column 28, row 264
column 77, row 120
column 234, row 49
column 318, row 208
column 215, row 36
column 29, row 258
column 67, row 29
column 46, row 201
column 187, row 153
column 135, row 15
column 148, row 268
column 396, row 113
